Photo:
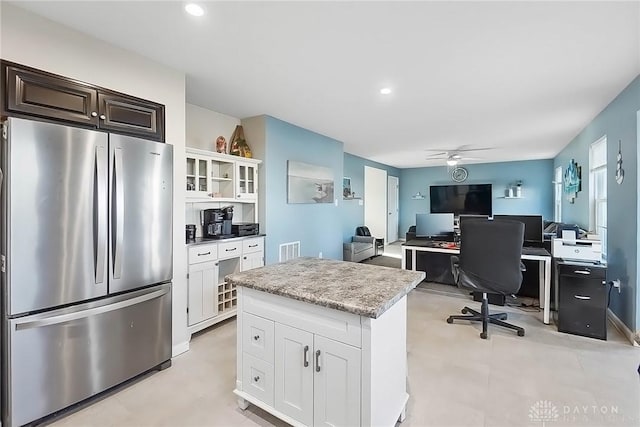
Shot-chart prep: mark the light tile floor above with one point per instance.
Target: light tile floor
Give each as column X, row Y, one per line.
column 455, row 378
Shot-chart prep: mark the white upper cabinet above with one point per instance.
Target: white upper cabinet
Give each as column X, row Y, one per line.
column 221, row 177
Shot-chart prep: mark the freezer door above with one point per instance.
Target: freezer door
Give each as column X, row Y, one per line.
column 141, row 204
column 56, row 207
column 64, row 356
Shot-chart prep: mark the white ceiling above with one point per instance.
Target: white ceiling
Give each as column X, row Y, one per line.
column 520, row 77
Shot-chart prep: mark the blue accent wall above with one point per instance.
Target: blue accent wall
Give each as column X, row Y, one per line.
column 318, row 227
column 537, row 189
column 618, row 122
column 352, row 210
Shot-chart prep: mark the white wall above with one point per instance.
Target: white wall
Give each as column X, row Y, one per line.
column 31, row 40
column 204, row 126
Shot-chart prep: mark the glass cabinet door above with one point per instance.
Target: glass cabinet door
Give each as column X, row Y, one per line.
column 197, row 185
column 246, row 181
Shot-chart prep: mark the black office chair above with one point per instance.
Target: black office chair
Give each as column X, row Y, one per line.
column 489, row 262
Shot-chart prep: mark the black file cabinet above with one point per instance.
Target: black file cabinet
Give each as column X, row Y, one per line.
column 582, row 298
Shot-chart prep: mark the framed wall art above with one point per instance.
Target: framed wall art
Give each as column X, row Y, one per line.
column 307, row 183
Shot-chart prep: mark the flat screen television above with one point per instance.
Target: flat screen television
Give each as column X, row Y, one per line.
column 471, row 199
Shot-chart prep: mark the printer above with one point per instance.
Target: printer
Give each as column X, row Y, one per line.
column 577, row 249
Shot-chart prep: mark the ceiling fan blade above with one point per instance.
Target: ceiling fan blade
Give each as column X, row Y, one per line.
column 475, row 149
column 437, row 156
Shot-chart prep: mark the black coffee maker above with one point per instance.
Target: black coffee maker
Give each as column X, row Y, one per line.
column 216, row 223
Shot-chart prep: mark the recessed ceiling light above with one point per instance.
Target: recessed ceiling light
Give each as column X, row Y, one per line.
column 194, row 9
column 385, row 90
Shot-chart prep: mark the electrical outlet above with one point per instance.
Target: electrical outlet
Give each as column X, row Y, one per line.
column 616, row 284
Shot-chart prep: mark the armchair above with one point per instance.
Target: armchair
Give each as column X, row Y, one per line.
column 359, row 249
column 489, row 262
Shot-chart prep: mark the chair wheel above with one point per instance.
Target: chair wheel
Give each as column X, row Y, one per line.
column 449, row 320
column 483, row 335
column 464, row 311
column 520, row 333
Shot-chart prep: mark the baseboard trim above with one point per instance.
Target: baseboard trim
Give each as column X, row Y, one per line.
column 177, row 349
column 634, row 339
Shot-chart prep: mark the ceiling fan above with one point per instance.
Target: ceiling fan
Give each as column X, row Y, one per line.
column 453, row 157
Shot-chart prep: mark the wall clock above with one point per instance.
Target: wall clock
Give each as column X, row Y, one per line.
column 459, row 174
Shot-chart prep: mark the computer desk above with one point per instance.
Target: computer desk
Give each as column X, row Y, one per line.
column 537, row 254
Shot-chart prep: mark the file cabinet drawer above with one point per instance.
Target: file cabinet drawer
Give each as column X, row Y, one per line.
column 257, row 335
column 203, row 253
column 230, row 250
column 257, row 378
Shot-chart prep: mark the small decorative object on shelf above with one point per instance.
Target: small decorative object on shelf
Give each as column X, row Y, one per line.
column 239, row 146
column 418, row 196
column 221, row 144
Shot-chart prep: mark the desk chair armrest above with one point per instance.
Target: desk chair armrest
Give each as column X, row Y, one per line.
column 522, row 266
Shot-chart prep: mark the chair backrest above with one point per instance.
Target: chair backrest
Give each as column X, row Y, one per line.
column 363, row 231
column 490, row 254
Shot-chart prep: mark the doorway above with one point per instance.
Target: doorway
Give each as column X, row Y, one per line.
column 375, row 201
column 393, row 184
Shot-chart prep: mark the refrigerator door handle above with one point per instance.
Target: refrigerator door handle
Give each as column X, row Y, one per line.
column 100, row 213
column 118, row 229
column 67, row 317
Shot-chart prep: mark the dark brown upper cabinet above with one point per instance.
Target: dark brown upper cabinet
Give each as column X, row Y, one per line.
column 130, row 115
column 30, row 92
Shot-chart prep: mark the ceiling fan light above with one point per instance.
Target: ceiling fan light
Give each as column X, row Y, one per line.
column 452, row 162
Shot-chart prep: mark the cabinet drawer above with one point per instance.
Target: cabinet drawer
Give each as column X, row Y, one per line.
column 582, row 306
column 257, row 378
column 330, row 323
column 230, row 250
column 257, row 337
column 203, row 253
column 252, row 245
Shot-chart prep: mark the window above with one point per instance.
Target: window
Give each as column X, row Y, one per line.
column 598, row 191
column 557, row 200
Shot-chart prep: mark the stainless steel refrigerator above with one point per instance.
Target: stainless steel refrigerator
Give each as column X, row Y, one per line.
column 85, row 263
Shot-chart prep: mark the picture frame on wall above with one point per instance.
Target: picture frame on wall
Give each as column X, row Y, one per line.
column 307, row 183
column 346, row 188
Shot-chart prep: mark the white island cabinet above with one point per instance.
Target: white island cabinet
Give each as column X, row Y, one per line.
column 323, row 342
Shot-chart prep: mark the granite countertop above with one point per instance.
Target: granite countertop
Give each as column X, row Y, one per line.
column 204, row 240
column 365, row 290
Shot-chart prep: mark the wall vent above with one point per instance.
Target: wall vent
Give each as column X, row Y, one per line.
column 289, row 251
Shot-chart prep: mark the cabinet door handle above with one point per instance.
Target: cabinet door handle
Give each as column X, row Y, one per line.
column 244, row 257
column 253, row 246
column 582, row 297
column 317, row 360
column 229, row 250
column 204, row 253
column 306, row 352
column 256, row 379
column 103, row 117
column 94, row 114
column 582, row 272
column 256, row 337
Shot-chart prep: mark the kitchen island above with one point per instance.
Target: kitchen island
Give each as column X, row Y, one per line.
column 323, row 342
